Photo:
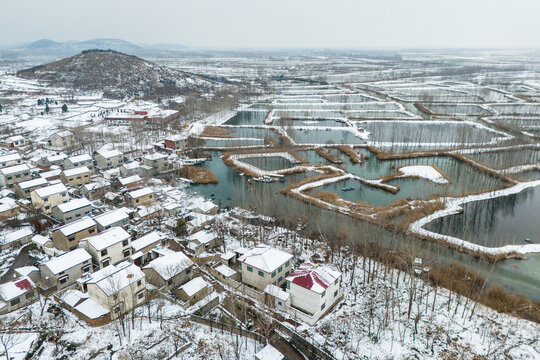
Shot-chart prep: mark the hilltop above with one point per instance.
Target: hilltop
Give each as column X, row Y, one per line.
column 116, row 74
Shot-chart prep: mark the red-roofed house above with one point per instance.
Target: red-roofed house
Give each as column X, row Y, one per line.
column 314, row 288
column 17, row 294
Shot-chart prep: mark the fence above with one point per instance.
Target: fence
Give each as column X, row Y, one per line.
column 229, row 328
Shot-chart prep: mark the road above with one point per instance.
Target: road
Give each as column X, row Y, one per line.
column 22, row 259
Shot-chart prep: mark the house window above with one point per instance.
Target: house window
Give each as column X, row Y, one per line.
column 91, row 230
column 46, row 199
column 140, row 282
column 288, row 284
column 137, row 200
column 250, row 269
column 335, row 294
column 47, row 207
column 274, row 274
column 323, row 306
column 125, row 243
column 323, row 293
column 261, row 273
column 287, row 264
column 63, row 279
column 105, row 262
column 169, row 282
column 280, row 269
column 151, row 196
column 15, row 301
column 140, row 294
column 85, row 269
column 71, row 238
column 126, row 253
column 287, row 273
column 280, row 278
column 103, row 252
column 29, row 295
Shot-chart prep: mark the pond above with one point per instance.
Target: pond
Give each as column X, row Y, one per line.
column 268, row 163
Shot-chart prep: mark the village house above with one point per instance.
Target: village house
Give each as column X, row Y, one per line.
column 17, row 294
column 169, row 271
column 175, row 144
column 116, row 217
column 202, row 206
column 67, row 237
column 194, row 290
column 130, row 182
column 106, row 159
column 202, row 241
column 197, row 221
column 44, row 244
column 16, row 141
column 61, row 140
column 314, row 288
column 51, row 175
column 118, row 288
column 78, row 161
column 96, row 189
column 17, row 238
column 54, row 160
column 46, row 198
column 11, row 175
column 142, row 246
column 76, row 177
column 62, row 271
column 226, row 273
column 144, row 196
column 264, row 265
column 10, row 159
column 8, row 208
column 109, row 247
column 275, row 297
column 157, row 161
column 72, row 210
column 130, row 169
column 24, row 188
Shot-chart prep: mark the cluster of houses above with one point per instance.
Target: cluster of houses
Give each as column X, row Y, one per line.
column 99, row 263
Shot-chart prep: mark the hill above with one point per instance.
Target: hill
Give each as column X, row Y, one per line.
column 118, row 75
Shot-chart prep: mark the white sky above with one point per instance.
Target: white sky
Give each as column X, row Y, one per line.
column 279, row 23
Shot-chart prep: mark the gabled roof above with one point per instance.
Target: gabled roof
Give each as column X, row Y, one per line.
column 76, row 171
column 111, row 217
column 50, row 190
column 79, row 158
column 107, row 238
column 202, row 237
column 316, row 278
column 265, row 258
column 155, row 156
column 14, row 156
column 114, row 278
column 32, row 183
column 107, row 154
column 67, row 261
column 14, row 169
column 129, row 180
column 141, row 192
column 144, row 241
column 194, row 286
column 170, row 265
column 76, row 226
column 73, row 205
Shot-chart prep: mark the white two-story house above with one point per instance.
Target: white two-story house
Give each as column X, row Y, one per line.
column 109, row 247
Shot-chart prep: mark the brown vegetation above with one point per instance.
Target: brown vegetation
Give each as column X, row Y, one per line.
column 349, row 151
column 325, row 154
column 215, row 131
column 198, row 174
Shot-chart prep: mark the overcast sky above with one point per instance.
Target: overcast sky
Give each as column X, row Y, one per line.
column 279, row 23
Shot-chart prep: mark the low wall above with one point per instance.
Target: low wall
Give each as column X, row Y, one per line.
column 229, row 328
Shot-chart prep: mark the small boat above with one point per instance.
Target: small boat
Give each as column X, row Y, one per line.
column 347, row 188
column 282, row 180
column 527, row 240
column 265, row 179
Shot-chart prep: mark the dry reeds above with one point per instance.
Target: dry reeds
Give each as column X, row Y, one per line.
column 198, row 174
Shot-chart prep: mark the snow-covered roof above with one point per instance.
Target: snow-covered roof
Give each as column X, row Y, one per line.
column 170, row 264
column 63, row 134
column 316, row 278
column 228, row 255
column 26, row 270
column 199, row 219
column 111, row 217
column 155, row 156
column 57, row 157
column 72, row 297
column 16, row 235
column 107, row 238
column 202, row 237
column 114, row 278
column 15, row 288
column 132, row 165
column 265, row 258
column 80, row 158
column 14, row 169
column 269, row 353
column 194, row 286
column 15, row 138
column 96, row 184
column 276, row 292
column 144, row 241
column 67, row 260
column 40, row 239
column 50, row 190
column 50, row 174
column 74, row 205
column 225, row 270
column 129, row 179
column 141, row 192
column 202, row 204
column 7, row 204
column 14, row 156
column 107, row 154
column 91, row 309
column 76, row 226
column 32, row 183
column 76, row 171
